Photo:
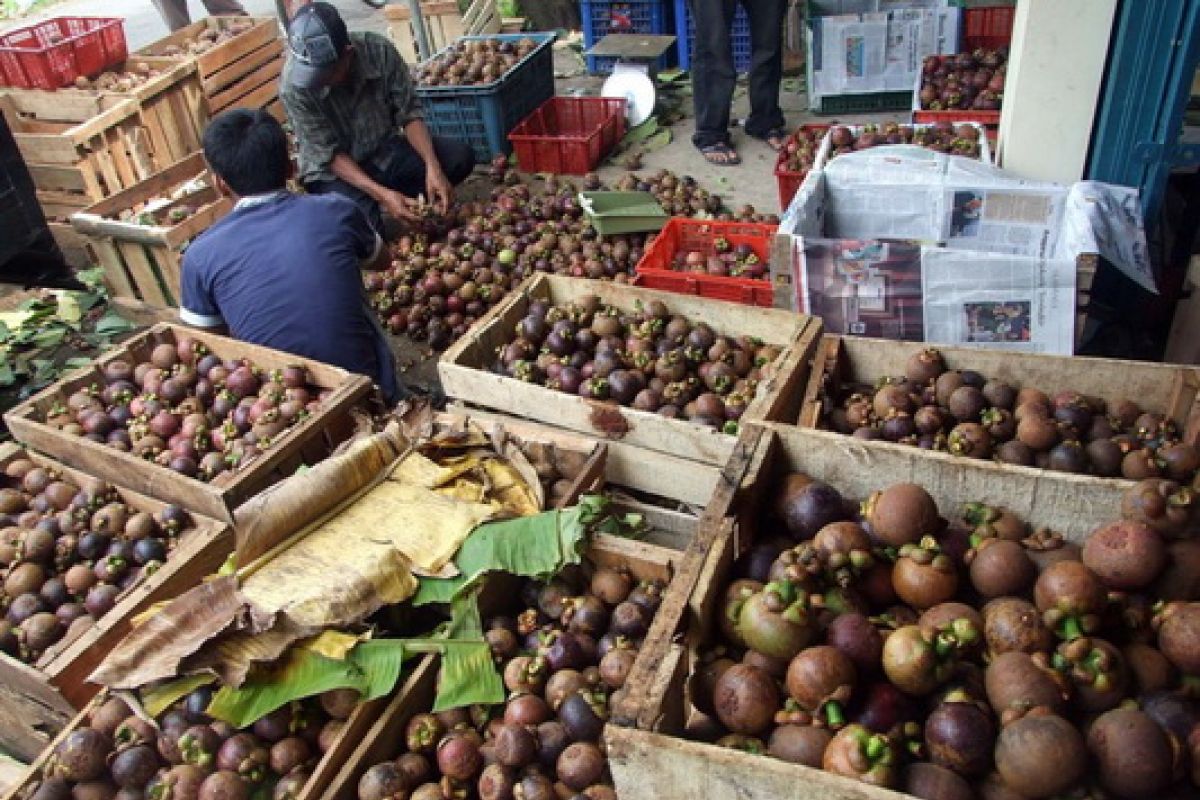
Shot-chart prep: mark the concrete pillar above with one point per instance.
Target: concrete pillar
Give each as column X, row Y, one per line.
column 1055, row 70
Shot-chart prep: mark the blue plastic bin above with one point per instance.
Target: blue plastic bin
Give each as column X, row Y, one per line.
column 482, row 116
column 685, row 32
column 602, row 17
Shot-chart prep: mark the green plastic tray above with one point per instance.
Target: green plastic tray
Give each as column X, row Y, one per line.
column 622, row 212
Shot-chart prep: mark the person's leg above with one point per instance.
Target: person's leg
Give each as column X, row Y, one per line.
column 174, row 13
column 225, row 7
column 713, row 76
column 405, row 171
column 359, row 197
column 766, row 65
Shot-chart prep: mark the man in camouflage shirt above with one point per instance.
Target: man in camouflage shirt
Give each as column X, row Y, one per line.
column 358, row 121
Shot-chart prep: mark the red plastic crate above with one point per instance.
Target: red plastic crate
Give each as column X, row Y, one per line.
column 568, row 135
column 53, row 53
column 788, row 180
column 989, row 27
column 656, row 271
column 989, row 119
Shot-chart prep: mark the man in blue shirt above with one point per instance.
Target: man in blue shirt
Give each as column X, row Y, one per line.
column 282, row 270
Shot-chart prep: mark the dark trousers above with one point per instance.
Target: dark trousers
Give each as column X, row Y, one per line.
column 713, row 75
column 398, row 166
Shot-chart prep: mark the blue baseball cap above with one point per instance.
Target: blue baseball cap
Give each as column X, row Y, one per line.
column 317, row 37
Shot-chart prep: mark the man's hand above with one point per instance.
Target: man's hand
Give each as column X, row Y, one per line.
column 438, row 189
column 397, row 205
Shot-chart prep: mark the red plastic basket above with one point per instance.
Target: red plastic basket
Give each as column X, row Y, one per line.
column 53, row 53
column 789, row 180
column 989, row 27
column 568, row 135
column 656, row 268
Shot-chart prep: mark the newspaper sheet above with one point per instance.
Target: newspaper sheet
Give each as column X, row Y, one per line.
column 900, row 290
column 876, row 52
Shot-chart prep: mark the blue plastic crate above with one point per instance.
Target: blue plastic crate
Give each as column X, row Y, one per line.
column 602, row 17
column 482, row 116
column 739, row 37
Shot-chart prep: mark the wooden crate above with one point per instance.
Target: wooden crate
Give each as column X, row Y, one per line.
column 1168, row 389
column 464, row 368
column 242, row 72
column 80, row 148
column 386, row 737
column 170, row 120
column 58, row 680
column 143, row 262
column 443, row 24
column 309, row 441
column 649, row 760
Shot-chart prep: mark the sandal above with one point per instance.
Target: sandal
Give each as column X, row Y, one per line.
column 720, row 154
column 775, row 138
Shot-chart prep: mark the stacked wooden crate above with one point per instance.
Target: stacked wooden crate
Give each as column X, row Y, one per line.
column 83, row 145
column 138, row 235
column 238, row 61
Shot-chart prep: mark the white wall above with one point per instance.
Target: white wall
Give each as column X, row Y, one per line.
column 1055, row 70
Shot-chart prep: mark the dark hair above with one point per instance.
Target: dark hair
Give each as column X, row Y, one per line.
column 248, row 149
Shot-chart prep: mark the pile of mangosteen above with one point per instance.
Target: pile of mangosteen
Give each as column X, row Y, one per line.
column 185, row 754
column 68, row 552
column 802, row 146
column 964, row 413
column 941, row 137
column 473, row 62
column 564, row 658
column 446, row 276
column 722, row 258
column 969, row 658
column 965, row 81
column 187, row 409
column 648, row 359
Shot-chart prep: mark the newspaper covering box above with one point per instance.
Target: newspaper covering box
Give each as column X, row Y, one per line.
column 900, row 242
column 875, row 52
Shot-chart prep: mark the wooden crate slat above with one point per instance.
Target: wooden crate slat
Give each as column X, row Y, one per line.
column 142, row 271
column 232, row 97
column 240, row 71
column 115, row 276
column 32, row 712
column 58, row 177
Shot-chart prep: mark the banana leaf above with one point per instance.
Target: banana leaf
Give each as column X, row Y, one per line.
column 532, row 547
column 159, row 698
column 372, row 668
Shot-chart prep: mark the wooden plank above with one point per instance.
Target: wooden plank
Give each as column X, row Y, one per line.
column 220, row 497
column 230, row 53
column 170, row 269
column 231, row 96
column 652, row 765
column 462, row 368
column 75, row 248
column 260, row 97
column 144, row 314
column 824, row 364
column 32, row 712
column 641, row 469
column 115, row 276
column 58, row 177
column 162, row 181
column 239, row 72
column 143, row 274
